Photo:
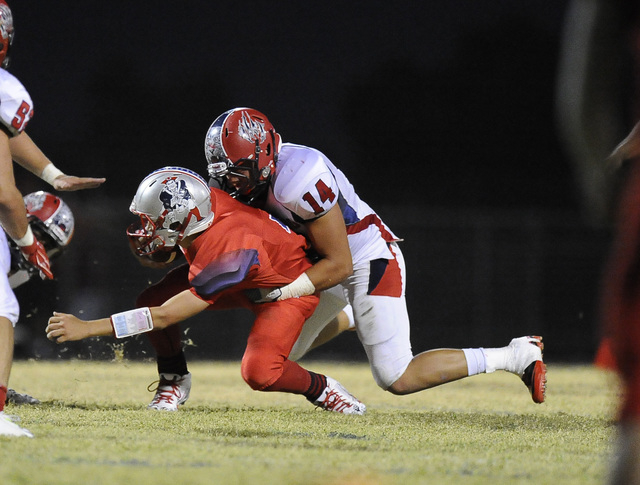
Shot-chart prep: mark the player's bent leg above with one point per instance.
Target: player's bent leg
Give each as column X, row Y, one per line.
column 342, row 323
column 166, row 342
column 430, row 369
column 6, row 350
column 330, row 318
column 265, row 368
column 174, row 379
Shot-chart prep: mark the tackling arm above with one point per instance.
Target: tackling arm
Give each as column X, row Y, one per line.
column 64, row 327
column 27, row 154
column 328, row 236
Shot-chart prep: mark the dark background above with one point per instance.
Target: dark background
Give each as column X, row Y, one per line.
column 441, row 113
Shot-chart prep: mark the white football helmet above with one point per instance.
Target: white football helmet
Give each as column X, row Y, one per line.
column 173, row 203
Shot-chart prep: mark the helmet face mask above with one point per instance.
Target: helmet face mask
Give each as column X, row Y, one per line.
column 242, row 143
column 172, row 203
column 149, row 239
column 6, row 33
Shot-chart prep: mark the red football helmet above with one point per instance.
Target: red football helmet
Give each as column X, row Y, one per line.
column 50, row 219
column 52, row 223
column 242, row 142
column 6, row 33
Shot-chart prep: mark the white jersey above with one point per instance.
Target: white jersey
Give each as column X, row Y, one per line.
column 306, row 185
column 16, row 107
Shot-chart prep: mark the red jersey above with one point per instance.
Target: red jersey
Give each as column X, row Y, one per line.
column 244, row 248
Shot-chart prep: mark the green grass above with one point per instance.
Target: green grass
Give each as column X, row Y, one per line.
column 92, row 428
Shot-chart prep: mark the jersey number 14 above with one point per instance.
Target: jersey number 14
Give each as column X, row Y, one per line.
column 325, row 193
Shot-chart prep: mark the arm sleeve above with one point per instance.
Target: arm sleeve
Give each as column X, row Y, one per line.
column 224, row 272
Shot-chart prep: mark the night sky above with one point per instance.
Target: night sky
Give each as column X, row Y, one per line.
column 429, row 103
column 437, row 111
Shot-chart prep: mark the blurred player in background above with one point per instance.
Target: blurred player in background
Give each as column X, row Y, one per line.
column 356, row 253
column 599, row 102
column 16, row 109
column 621, row 309
column 231, row 249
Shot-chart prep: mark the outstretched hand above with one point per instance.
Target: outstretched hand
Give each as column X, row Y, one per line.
column 64, row 327
column 70, row 183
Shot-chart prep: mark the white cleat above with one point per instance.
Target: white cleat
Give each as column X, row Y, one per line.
column 9, row 428
column 172, row 391
column 525, row 360
column 336, row 398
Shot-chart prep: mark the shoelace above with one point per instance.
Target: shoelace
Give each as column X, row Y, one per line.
column 165, row 391
column 335, row 402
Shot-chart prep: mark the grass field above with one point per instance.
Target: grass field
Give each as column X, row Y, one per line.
column 92, row 428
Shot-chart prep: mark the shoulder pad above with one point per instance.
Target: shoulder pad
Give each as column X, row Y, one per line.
column 304, row 183
column 16, row 107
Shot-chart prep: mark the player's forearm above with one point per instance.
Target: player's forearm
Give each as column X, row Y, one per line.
column 13, row 215
column 27, row 154
column 98, row 328
column 327, row 273
column 328, row 237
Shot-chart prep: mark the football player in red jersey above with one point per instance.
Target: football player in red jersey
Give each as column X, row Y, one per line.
column 359, row 258
column 233, row 251
column 16, row 109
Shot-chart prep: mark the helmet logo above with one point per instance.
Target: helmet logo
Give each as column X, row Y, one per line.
column 6, row 22
column 177, row 202
column 35, row 201
column 251, row 130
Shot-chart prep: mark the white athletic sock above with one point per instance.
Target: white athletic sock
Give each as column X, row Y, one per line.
column 496, row 359
column 476, row 361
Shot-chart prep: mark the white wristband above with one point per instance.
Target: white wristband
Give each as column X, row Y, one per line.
column 27, row 239
column 132, row 322
column 302, row 286
column 50, row 173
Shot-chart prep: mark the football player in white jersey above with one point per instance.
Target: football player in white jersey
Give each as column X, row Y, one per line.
column 357, row 254
column 16, row 109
